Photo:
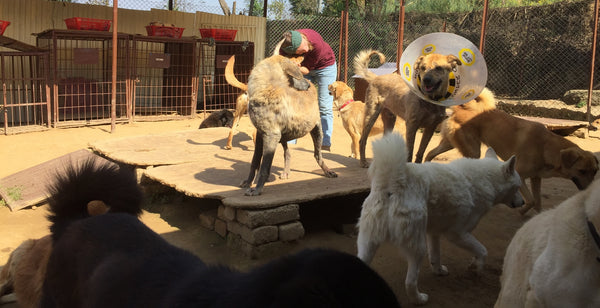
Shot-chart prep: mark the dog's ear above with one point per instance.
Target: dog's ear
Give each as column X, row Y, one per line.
column 292, row 70
column 490, row 153
column 569, row 156
column 418, row 62
column 453, row 60
column 509, row 166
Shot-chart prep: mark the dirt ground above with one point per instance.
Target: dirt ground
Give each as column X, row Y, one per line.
column 175, row 216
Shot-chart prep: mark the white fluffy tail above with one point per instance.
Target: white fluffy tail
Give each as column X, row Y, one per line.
column 388, row 169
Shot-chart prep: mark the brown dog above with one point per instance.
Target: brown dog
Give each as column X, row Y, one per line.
column 540, row 153
column 282, row 106
column 352, row 113
column 390, row 96
column 25, row 271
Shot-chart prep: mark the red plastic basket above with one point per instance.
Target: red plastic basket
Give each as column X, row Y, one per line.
column 81, row 23
column 219, row 34
column 3, row 25
column 164, row 31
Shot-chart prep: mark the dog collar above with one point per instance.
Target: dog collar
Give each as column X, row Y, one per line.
column 595, row 235
column 345, row 104
column 469, row 78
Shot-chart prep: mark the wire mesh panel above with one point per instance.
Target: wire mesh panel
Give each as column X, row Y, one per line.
column 81, row 65
column 165, row 80
column 217, row 93
column 25, row 91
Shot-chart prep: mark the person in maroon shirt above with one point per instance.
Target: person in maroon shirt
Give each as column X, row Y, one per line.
column 320, row 68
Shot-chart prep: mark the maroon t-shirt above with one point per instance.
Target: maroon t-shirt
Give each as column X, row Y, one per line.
column 321, row 56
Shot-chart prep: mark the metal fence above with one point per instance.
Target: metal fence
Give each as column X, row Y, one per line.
column 532, row 53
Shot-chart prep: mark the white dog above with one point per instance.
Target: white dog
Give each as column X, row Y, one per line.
column 410, row 204
column 554, row 259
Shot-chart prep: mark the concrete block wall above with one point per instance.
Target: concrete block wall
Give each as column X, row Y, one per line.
column 255, row 231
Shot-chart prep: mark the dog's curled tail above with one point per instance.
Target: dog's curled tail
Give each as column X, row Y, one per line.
column 361, row 63
column 483, row 102
column 388, row 169
column 91, row 188
column 230, row 76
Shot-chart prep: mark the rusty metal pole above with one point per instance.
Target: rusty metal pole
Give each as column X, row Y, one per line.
column 346, row 46
column 113, row 100
column 594, row 42
column 483, row 26
column 341, row 52
column 400, row 36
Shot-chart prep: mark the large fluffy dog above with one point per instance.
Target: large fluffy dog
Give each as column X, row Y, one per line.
column 554, row 259
column 114, row 260
column 352, row 113
column 283, row 106
column 412, row 205
column 389, row 96
column 540, row 153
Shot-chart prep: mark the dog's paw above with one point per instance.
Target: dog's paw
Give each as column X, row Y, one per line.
column 364, row 164
column 442, row 270
column 284, row 176
column 252, row 192
column 244, row 184
column 421, row 299
column 227, row 147
column 476, row 265
column 330, row 174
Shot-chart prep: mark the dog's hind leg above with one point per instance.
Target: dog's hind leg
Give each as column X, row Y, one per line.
column 468, row 242
column 269, row 144
column 412, row 276
column 317, row 136
column 365, row 135
column 286, row 159
column 366, row 247
column 255, row 164
column 433, row 246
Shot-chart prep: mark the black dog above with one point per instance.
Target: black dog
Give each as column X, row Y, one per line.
column 221, row 118
column 114, row 260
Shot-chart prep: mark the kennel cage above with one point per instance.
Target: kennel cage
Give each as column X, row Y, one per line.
column 165, row 77
column 215, row 92
column 81, row 76
column 25, row 91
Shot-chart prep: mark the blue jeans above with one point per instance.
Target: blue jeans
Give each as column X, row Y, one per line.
column 322, row 78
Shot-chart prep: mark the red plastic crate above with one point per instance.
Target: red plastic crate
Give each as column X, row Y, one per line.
column 164, row 31
column 219, row 34
column 81, row 23
column 3, row 25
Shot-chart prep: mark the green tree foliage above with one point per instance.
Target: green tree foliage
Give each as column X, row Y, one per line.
column 276, row 9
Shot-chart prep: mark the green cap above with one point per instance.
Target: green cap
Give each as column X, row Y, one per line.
column 296, row 41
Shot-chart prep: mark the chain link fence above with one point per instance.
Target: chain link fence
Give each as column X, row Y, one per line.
column 532, row 53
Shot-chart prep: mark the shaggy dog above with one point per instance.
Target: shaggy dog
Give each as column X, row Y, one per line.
column 221, row 118
column 540, row 152
column 114, row 260
column 554, row 258
column 283, row 106
column 352, row 113
column 389, row 96
column 412, row 205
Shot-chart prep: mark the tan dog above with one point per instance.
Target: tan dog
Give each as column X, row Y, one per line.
column 352, row 113
column 554, row 258
column 540, row 153
column 283, row 106
column 25, row 271
column 241, row 103
column 389, row 96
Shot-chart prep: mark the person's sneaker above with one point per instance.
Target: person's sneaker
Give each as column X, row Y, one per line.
column 326, row 148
